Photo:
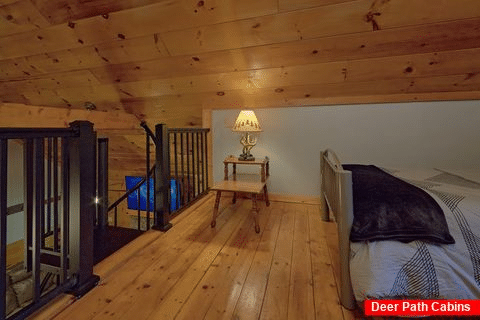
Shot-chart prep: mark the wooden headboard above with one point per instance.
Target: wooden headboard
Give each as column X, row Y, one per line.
column 337, row 198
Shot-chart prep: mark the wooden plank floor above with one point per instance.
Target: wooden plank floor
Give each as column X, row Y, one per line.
column 228, row 272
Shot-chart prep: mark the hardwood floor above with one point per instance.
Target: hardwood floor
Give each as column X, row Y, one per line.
column 228, row 272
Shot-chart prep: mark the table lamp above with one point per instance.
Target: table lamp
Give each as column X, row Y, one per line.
column 247, row 122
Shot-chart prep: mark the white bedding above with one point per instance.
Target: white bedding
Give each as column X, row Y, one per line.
column 423, row 270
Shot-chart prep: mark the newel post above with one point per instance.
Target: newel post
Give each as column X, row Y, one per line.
column 82, row 151
column 162, row 173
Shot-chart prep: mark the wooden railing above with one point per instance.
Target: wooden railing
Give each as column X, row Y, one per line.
column 59, row 191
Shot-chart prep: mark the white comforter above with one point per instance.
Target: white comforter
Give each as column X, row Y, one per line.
column 423, row 270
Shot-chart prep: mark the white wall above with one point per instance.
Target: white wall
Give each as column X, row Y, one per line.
column 403, row 135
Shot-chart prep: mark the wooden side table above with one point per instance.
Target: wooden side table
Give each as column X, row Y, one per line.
column 253, row 184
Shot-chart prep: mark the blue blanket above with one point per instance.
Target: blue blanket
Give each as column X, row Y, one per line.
column 388, row 208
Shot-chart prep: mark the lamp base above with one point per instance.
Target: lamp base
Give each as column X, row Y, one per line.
column 246, row 157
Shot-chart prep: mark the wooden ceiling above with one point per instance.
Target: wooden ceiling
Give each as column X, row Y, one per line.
column 166, row 60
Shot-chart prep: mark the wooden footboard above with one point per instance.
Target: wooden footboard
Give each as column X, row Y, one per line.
column 336, row 197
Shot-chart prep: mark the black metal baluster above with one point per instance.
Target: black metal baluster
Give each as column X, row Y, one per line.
column 175, row 151
column 39, row 214
column 102, row 184
column 3, row 226
column 206, row 160
column 28, row 183
column 203, row 161
column 182, row 161
column 170, row 176
column 138, row 210
column 55, row 195
column 147, row 146
column 65, row 217
column 188, row 167
column 198, row 164
column 49, row 187
column 192, row 164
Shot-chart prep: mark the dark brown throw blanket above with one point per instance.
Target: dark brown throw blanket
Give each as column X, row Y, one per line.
column 388, row 208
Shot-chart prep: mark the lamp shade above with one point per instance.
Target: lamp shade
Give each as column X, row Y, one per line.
column 246, row 122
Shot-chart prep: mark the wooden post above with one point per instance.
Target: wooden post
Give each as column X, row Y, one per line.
column 162, row 173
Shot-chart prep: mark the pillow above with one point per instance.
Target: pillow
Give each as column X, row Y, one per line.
column 388, row 208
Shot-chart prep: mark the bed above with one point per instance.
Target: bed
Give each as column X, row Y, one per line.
column 443, row 263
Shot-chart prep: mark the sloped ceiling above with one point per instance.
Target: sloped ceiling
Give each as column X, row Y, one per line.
column 166, row 60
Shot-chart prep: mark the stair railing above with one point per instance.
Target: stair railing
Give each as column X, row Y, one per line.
column 180, row 173
column 55, row 161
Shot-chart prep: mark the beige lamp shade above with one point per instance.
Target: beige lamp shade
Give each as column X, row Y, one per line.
column 246, row 122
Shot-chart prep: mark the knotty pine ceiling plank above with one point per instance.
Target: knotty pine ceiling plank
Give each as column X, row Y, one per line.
column 132, row 23
column 307, row 94
column 301, row 101
column 5, row 2
column 18, row 115
column 82, row 58
column 139, row 142
column 74, row 97
column 20, row 16
column 61, row 11
column 454, row 35
column 429, row 38
column 81, row 78
column 343, row 18
column 184, row 107
column 390, row 98
column 289, row 5
column 122, row 132
column 418, row 65
column 105, row 55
